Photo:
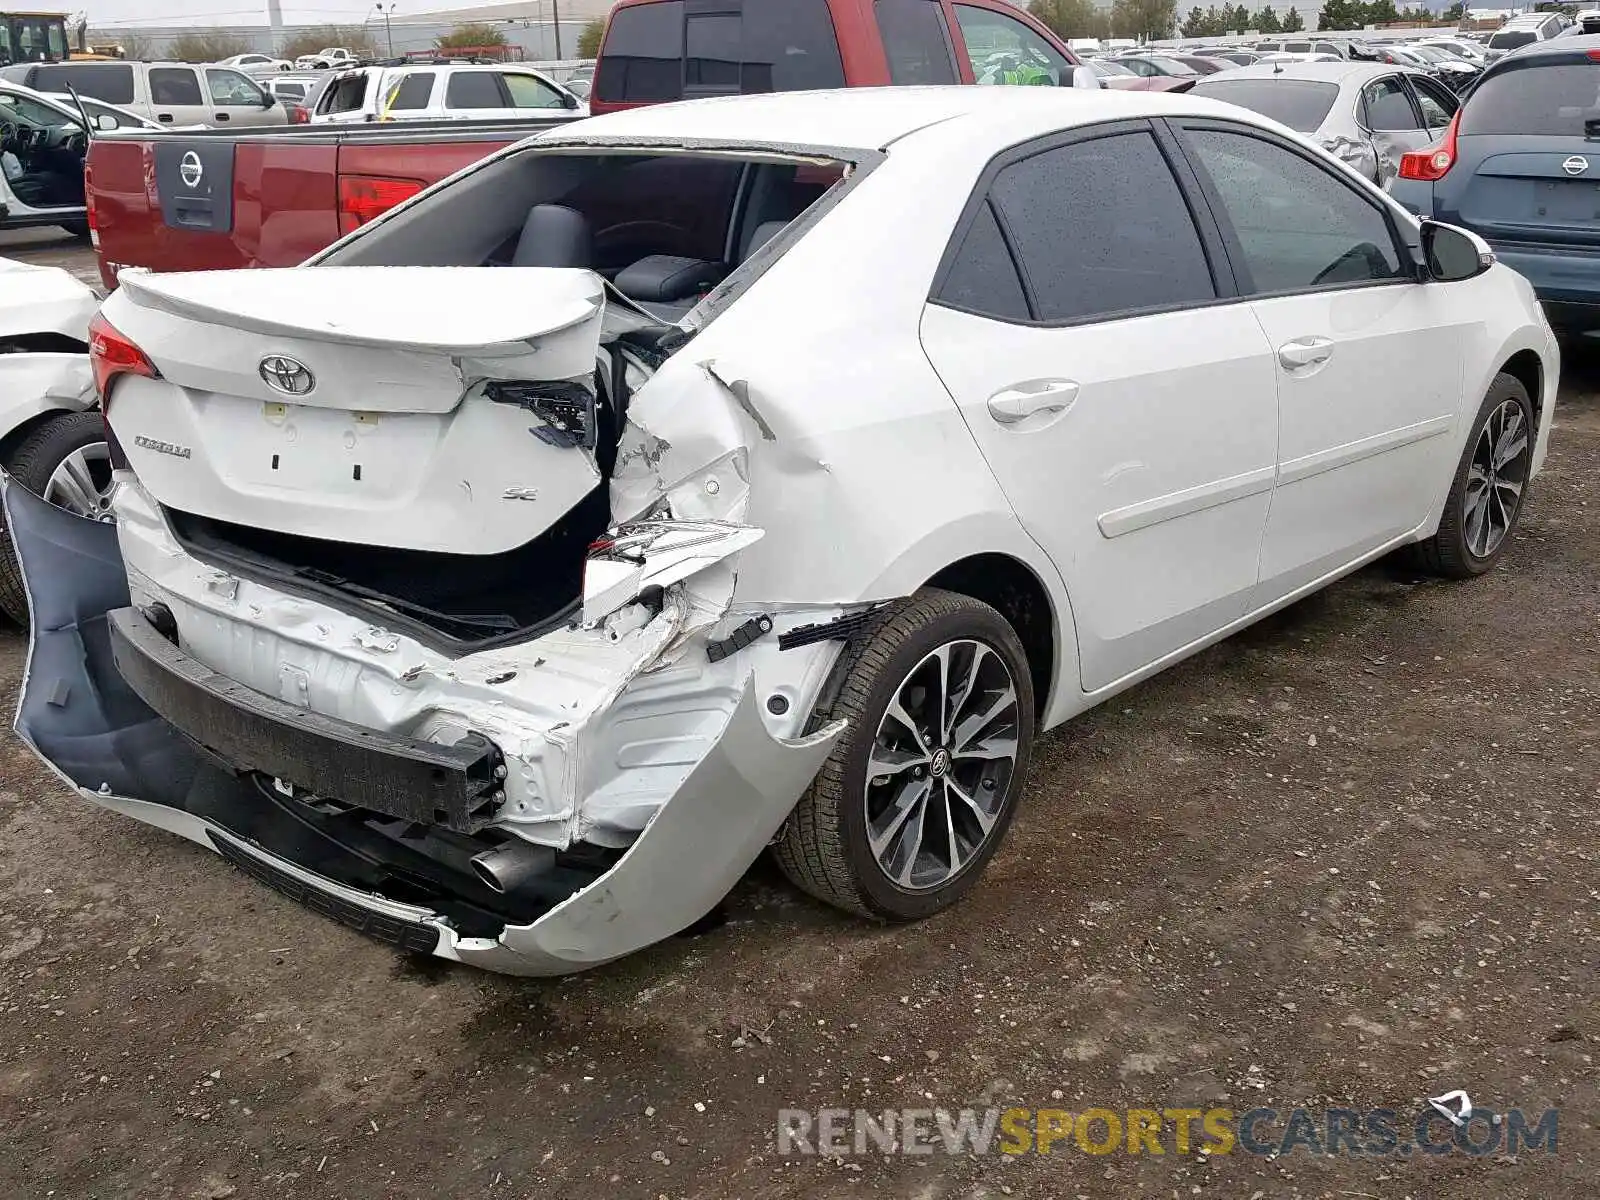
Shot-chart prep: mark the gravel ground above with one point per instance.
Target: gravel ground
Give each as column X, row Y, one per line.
column 1346, row 858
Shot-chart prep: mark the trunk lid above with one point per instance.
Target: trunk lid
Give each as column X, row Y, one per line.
column 415, row 408
column 1546, row 191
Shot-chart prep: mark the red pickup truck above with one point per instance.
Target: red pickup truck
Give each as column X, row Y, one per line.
column 217, row 199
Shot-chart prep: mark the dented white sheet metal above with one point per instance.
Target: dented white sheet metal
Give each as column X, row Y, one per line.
column 42, row 310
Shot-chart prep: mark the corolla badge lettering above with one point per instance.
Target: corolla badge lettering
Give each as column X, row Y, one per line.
column 286, row 375
column 171, row 448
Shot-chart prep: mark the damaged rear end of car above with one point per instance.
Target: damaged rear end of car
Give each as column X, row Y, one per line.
column 421, row 602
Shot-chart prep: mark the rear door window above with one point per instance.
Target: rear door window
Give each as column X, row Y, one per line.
column 473, row 89
column 112, row 84
column 413, row 92
column 982, row 277
column 787, row 47
column 1004, row 50
column 1101, row 228
column 915, row 41
column 171, row 87
column 1553, row 101
column 1388, row 107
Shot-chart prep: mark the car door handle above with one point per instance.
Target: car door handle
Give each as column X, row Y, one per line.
column 167, row 117
column 222, row 116
column 1023, row 400
column 1305, row 352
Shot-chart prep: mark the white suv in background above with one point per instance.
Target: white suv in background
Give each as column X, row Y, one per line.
column 442, row 91
column 1524, row 31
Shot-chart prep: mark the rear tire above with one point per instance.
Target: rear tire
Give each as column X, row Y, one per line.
column 860, row 838
column 1489, row 487
column 78, row 229
column 34, row 464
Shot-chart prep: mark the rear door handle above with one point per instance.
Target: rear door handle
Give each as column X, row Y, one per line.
column 1023, row 400
column 166, row 117
column 1305, row 352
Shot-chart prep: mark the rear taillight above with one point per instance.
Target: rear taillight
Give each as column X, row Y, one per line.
column 111, row 354
column 363, row 198
column 1435, row 162
column 89, row 216
column 299, row 114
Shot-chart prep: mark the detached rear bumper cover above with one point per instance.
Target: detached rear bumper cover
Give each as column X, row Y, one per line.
column 80, row 715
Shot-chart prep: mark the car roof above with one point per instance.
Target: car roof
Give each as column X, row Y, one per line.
column 1554, row 48
column 874, row 118
column 1320, row 72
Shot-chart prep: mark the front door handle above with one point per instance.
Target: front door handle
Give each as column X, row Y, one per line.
column 222, row 116
column 164, row 118
column 1305, row 352
column 1023, row 400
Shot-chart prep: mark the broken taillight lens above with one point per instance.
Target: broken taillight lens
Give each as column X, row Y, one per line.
column 364, row 198
column 111, row 354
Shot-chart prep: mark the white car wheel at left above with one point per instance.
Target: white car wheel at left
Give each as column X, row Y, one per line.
column 918, row 793
column 67, row 461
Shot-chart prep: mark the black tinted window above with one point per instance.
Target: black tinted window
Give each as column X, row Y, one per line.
column 1101, row 227
column 712, row 54
column 1388, row 106
column 1298, row 225
column 915, row 41
column 982, row 277
column 789, row 46
column 1297, row 103
column 112, row 84
column 642, row 59
column 1537, row 101
column 473, row 89
column 413, row 91
column 1510, row 41
column 173, row 86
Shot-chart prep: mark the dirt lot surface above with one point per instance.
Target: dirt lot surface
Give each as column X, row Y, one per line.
column 1347, row 858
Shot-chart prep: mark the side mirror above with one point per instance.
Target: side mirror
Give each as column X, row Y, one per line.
column 267, row 99
column 1451, row 254
column 569, row 101
column 1080, row 77
column 105, row 123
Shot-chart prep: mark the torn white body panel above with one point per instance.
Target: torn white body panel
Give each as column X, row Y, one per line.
column 36, row 299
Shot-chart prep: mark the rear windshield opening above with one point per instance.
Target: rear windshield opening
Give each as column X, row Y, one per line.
column 1512, row 39
column 1535, row 101
column 664, row 228
column 1300, row 104
column 661, row 51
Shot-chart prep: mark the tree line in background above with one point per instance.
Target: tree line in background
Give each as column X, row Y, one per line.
column 1125, row 18
column 214, row 47
column 1217, row 22
column 1157, row 18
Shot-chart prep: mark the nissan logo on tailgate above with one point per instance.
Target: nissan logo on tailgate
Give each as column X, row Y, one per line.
column 191, row 170
column 287, row 375
column 1576, row 165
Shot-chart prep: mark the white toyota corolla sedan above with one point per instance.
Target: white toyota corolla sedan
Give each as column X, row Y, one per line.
column 754, row 472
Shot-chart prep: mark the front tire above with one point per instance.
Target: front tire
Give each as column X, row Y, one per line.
column 918, row 793
column 1490, row 485
column 65, row 460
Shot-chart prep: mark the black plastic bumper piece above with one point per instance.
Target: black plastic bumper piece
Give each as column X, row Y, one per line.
column 398, row 932
column 454, row 786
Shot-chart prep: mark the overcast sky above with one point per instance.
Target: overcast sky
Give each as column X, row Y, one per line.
column 131, row 13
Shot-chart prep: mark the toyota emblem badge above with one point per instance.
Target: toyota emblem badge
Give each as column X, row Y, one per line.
column 287, row 375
